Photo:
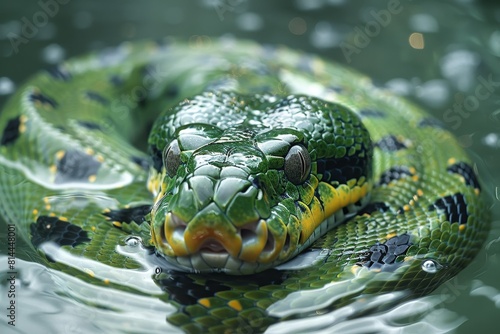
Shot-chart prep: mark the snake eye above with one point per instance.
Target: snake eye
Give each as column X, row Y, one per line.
column 172, row 158
column 297, row 164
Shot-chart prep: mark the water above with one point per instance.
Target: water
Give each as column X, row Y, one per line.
column 436, row 54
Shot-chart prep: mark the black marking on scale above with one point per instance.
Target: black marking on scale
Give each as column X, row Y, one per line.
column 374, row 207
column 431, row 122
column 53, row 229
column 393, row 174
column 94, row 96
column 59, row 73
column 467, row 172
column 76, row 166
column 206, row 286
column 89, row 125
column 142, row 162
column 37, row 97
column 372, row 113
column 157, row 157
column 128, row 215
column 11, row 131
column 390, row 144
column 453, row 206
column 116, row 80
column 342, row 169
column 382, row 256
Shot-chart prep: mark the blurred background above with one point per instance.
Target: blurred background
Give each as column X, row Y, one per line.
column 442, row 55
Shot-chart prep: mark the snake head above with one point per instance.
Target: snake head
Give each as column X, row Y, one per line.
column 243, row 185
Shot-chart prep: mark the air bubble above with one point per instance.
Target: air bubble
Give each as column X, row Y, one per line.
column 431, row 266
column 7, row 86
column 133, row 241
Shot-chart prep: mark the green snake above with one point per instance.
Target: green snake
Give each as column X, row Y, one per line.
column 256, row 155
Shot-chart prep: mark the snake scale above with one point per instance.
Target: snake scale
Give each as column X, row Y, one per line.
column 256, row 155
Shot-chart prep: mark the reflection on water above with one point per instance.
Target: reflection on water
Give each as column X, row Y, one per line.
column 54, row 302
column 416, row 316
column 461, row 45
column 67, row 304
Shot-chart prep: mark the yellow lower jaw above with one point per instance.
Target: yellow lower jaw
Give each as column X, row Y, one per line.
column 190, row 239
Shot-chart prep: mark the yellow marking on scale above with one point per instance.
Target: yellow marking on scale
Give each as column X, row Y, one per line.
column 451, row 161
column 391, row 235
column 420, row 192
column 355, row 269
column 117, row 224
column 52, row 214
column 64, row 219
column 106, row 281
column 205, row 302
column 35, row 212
column 100, row 158
column 22, row 125
column 318, row 66
column 53, row 169
column 412, row 170
column 461, row 228
column 476, row 191
column 89, row 151
column 93, row 228
column 235, row 304
column 406, row 207
column 415, row 178
column 412, row 202
column 60, row 154
column 333, row 199
column 92, row 178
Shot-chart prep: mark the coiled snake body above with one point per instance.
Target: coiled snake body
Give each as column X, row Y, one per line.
column 258, row 154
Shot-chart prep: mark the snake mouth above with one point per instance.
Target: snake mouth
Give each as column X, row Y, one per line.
column 217, row 242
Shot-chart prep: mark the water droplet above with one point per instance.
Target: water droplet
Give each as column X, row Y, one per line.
column 6, row 86
column 459, row 68
column 492, row 140
column 133, row 241
column 431, row 266
column 494, row 42
column 53, row 54
column 249, row 22
column 309, row 4
column 434, row 93
column 325, row 36
column 400, row 86
column 423, row 23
